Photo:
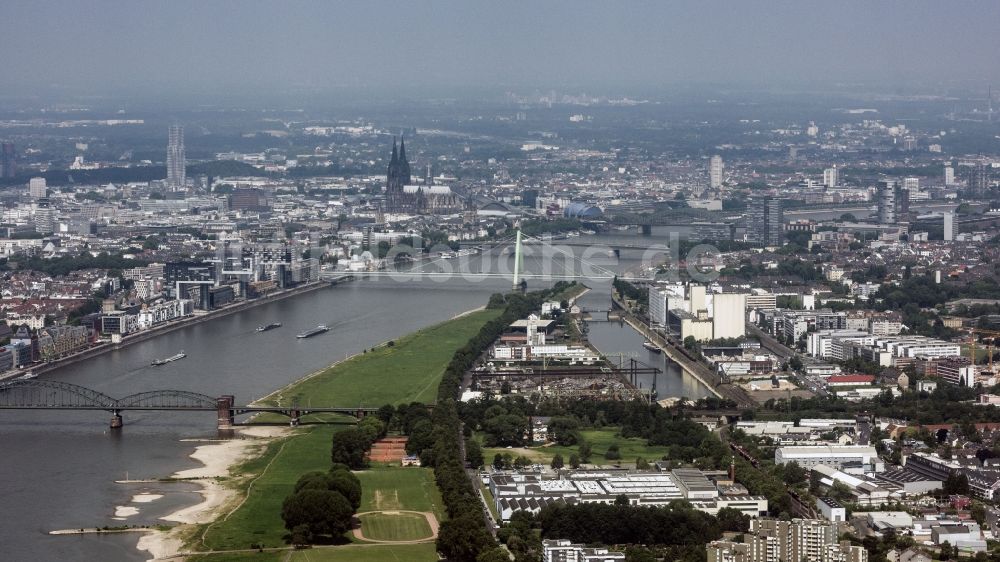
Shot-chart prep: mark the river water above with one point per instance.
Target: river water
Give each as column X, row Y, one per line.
column 58, row 467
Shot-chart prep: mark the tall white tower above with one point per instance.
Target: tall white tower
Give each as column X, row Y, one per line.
column 176, row 173
column 715, row 172
column 830, row 176
column 949, row 226
column 886, row 194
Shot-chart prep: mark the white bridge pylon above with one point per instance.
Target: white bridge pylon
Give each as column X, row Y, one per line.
column 592, row 270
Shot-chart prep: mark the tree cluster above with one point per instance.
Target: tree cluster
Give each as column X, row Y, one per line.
column 675, row 524
column 504, row 426
column 321, row 505
column 350, row 446
column 630, row 291
column 947, row 404
column 521, row 537
column 61, row 266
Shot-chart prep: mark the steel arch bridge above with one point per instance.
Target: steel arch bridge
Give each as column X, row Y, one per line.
column 43, row 394
column 35, row 394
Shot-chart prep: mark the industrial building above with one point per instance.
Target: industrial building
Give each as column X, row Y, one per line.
column 690, row 311
column 842, row 457
column 840, row 344
column 532, row 492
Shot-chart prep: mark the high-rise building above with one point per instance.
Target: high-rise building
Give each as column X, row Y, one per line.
column 37, row 188
column 715, row 172
column 8, row 160
column 886, row 194
column 949, row 175
column 771, row 540
column 979, row 179
column 766, row 226
column 44, row 217
column 176, row 172
column 830, row 176
column 950, row 226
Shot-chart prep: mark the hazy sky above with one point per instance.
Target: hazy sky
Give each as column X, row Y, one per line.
column 187, row 46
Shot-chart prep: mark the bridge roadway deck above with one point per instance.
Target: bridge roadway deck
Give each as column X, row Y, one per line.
column 237, row 410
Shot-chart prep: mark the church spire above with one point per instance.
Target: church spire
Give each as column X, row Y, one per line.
column 395, row 157
column 404, row 165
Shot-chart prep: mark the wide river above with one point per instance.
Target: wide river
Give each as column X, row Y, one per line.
column 58, row 467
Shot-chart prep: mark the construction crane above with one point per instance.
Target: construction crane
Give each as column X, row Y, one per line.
column 991, row 337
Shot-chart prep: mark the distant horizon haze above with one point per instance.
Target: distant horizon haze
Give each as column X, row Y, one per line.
column 185, row 47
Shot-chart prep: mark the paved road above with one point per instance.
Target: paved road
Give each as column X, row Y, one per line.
column 491, row 524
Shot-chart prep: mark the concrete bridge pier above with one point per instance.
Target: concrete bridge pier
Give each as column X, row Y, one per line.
column 294, row 417
column 226, row 416
column 647, row 230
column 116, row 420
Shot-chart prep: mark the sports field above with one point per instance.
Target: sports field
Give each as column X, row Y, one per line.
column 395, row 526
column 395, row 488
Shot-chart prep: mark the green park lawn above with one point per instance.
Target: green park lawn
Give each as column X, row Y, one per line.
column 425, row 552
column 267, row 556
column 599, row 439
column 395, row 526
column 408, row 371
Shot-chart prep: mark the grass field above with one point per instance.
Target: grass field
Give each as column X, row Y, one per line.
column 347, row 553
column 408, row 371
column 407, row 488
column 395, row 526
column 368, row 553
column 599, row 439
column 240, row 557
column 258, row 520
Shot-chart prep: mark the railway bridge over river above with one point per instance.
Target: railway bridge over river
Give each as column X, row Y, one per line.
column 35, row 394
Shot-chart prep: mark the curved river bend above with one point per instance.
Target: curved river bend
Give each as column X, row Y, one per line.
column 58, row 468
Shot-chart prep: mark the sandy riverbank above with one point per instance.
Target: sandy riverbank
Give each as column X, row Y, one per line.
column 218, row 458
column 467, row 312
